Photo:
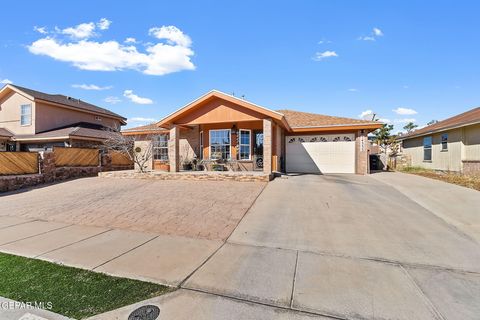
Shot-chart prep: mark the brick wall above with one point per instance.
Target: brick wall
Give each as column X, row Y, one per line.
column 361, row 150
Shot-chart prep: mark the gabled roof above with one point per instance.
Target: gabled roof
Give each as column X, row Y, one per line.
column 298, row 119
column 218, row 94
column 460, row 120
column 146, row 129
column 64, row 100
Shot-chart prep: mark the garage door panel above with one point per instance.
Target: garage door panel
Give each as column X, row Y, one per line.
column 327, row 154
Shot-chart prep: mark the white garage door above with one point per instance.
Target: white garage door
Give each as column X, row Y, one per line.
column 320, row 154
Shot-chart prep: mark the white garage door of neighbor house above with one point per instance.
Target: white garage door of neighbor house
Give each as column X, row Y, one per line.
column 320, row 154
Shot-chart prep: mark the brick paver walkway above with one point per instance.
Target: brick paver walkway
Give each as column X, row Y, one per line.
column 203, row 209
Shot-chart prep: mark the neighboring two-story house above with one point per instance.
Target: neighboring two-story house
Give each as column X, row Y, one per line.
column 31, row 120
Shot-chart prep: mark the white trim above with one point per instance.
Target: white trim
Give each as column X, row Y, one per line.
column 210, row 143
column 249, row 144
column 31, row 114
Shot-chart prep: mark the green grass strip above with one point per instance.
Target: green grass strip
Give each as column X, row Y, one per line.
column 74, row 292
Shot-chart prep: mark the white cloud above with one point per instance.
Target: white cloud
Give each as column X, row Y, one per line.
column 130, row 40
column 112, row 100
column 367, row 114
column 158, row 59
column 141, row 119
column 405, row 120
column 91, row 87
column 42, row 30
column 404, row 111
column 172, row 34
column 81, row 31
column 377, row 32
column 367, row 38
column 384, row 120
column 6, row 81
column 353, row 90
column 136, row 99
column 319, row 56
column 324, row 41
column 104, row 24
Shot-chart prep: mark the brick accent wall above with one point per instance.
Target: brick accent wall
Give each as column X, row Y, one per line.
column 174, row 149
column 267, row 146
column 361, row 151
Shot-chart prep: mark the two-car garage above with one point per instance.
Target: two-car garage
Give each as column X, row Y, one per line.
column 320, row 153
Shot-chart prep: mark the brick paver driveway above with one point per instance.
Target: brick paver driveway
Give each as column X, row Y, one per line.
column 203, row 209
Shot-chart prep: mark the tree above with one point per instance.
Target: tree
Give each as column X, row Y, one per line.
column 140, row 155
column 410, row 127
column 431, row 122
column 384, row 138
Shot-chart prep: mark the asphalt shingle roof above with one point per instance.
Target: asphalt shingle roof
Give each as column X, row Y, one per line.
column 298, row 119
column 68, row 101
column 465, row 118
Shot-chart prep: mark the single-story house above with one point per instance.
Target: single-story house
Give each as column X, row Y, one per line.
column 449, row 145
column 31, row 120
column 221, row 128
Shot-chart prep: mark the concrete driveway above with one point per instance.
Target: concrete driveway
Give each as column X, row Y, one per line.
column 350, row 247
column 343, row 246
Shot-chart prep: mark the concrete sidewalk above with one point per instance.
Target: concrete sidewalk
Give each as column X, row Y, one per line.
column 163, row 259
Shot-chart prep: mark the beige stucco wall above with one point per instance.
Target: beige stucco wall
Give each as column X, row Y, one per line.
column 450, row 160
column 10, row 114
column 145, row 150
column 50, row 117
column 472, row 143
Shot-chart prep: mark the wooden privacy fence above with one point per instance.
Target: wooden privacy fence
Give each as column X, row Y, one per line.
column 120, row 159
column 18, row 163
column 76, row 157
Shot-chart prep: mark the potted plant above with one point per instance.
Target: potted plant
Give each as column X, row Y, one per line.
column 187, row 165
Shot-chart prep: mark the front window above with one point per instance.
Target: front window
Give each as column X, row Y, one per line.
column 160, row 147
column 445, row 141
column 245, row 144
column 26, row 114
column 427, row 149
column 220, row 144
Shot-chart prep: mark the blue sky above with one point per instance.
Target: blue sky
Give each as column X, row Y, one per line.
column 330, row 57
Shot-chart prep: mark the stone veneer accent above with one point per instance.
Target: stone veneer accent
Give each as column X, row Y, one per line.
column 195, row 176
column 50, row 173
column 174, row 149
column 471, row 167
column 267, row 146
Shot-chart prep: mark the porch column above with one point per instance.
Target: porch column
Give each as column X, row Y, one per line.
column 174, row 149
column 361, row 146
column 267, row 146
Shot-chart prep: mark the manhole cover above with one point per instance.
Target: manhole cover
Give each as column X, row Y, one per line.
column 145, row 313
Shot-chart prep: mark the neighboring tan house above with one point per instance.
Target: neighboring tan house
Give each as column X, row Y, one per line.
column 449, row 145
column 220, row 128
column 31, row 120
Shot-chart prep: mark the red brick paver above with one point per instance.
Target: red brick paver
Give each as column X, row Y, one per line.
column 200, row 209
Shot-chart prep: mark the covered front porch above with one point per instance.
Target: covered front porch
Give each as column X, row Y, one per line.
column 228, row 146
column 221, row 133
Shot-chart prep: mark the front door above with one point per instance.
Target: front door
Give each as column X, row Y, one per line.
column 258, row 150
